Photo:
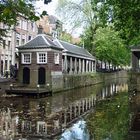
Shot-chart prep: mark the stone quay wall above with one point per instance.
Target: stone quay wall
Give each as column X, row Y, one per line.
column 67, row 82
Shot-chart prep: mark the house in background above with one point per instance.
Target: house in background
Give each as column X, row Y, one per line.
column 24, row 31
column 75, row 59
column 51, row 25
column 135, row 51
column 43, row 59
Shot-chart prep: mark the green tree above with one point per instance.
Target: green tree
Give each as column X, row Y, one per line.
column 83, row 14
column 109, row 47
column 124, row 17
column 89, row 14
column 11, row 9
column 66, row 37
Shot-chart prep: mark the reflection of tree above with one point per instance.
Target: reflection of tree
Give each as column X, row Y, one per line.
column 111, row 119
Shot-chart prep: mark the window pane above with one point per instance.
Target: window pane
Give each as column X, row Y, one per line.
column 42, row 58
column 26, row 58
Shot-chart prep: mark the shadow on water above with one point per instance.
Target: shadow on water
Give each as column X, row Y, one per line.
column 47, row 117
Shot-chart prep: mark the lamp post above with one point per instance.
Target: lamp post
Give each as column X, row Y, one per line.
column 38, row 87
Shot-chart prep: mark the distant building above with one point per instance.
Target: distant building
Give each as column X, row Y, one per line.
column 51, row 25
column 135, row 62
column 22, row 33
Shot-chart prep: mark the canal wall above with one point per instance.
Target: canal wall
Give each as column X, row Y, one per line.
column 67, row 82
column 4, row 84
column 134, row 80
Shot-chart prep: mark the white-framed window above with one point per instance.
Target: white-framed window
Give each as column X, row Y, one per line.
column 26, row 58
column 26, row 125
column 19, row 23
column 41, row 127
column 41, row 58
column 24, row 24
column 56, row 58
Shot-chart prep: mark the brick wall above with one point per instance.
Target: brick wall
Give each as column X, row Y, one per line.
column 50, row 66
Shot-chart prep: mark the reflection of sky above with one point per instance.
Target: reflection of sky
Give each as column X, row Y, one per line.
column 77, row 132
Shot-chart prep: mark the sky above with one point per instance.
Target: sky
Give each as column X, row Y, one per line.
column 50, row 8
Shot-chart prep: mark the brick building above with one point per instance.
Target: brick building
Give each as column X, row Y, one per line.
column 43, row 58
column 51, row 25
column 38, row 60
column 23, row 32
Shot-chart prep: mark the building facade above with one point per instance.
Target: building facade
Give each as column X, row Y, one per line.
column 38, row 60
column 51, row 25
column 44, row 59
column 23, row 32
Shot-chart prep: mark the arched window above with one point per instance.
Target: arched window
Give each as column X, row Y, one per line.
column 41, row 75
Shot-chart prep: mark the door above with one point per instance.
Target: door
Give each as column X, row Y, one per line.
column 26, row 75
column 41, row 76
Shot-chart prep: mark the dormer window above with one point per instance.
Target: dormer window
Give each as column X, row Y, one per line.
column 26, row 58
column 41, row 58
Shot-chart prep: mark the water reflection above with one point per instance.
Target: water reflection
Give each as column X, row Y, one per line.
column 111, row 119
column 77, row 132
column 43, row 118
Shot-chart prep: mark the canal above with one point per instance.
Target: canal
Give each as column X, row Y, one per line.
column 63, row 116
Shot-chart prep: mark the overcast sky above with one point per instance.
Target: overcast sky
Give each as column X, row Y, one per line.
column 50, row 8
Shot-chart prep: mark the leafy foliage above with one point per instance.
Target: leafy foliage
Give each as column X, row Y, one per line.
column 66, row 37
column 110, row 121
column 11, row 9
column 93, row 14
column 109, row 47
column 77, row 13
column 124, row 17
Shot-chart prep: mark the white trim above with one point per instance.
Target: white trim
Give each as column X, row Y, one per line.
column 22, row 58
column 56, row 58
column 38, row 50
column 37, row 54
column 133, row 50
column 56, row 40
column 45, row 40
column 82, row 57
column 56, row 72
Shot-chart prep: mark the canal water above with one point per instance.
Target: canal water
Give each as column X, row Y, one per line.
column 63, row 116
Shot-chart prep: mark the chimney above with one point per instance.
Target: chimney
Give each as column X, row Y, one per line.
column 40, row 29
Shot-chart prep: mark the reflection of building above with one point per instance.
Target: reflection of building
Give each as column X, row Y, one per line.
column 8, row 125
column 22, row 33
column 47, row 116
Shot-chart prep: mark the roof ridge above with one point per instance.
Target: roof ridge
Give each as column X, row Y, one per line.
column 57, row 40
column 43, row 36
column 71, row 44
